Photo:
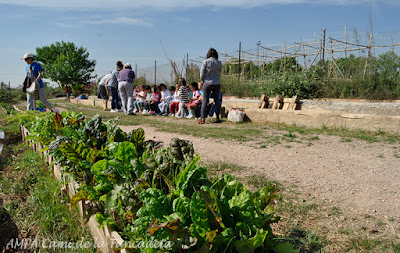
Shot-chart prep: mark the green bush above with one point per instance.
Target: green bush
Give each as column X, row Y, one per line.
column 348, row 77
column 287, row 84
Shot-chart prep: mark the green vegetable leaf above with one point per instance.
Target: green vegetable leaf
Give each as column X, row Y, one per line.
column 199, row 215
column 125, row 152
column 249, row 245
column 84, row 193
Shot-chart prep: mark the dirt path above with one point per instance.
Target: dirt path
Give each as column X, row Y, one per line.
column 357, row 176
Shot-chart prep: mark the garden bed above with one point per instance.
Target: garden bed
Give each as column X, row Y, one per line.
column 106, row 239
column 134, row 190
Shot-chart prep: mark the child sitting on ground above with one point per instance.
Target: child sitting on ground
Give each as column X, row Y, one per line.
column 173, row 92
column 194, row 100
column 165, row 97
column 156, row 100
column 183, row 94
column 174, row 103
column 149, row 99
column 140, row 97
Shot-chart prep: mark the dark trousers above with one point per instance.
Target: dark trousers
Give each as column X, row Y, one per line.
column 154, row 107
column 207, row 89
column 114, row 98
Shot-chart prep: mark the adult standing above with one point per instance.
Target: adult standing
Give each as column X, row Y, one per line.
column 210, row 75
column 113, row 87
column 126, row 77
column 103, row 90
column 35, row 73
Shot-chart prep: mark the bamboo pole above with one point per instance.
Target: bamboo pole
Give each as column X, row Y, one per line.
column 369, row 54
column 345, row 41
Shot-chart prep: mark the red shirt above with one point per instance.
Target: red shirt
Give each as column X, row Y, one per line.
column 156, row 97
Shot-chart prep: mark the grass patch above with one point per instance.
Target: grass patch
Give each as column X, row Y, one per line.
column 259, row 181
column 236, row 132
column 336, row 210
column 345, row 231
column 364, row 244
column 34, row 205
column 306, row 240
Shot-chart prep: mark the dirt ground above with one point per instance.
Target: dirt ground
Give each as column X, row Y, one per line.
column 357, row 176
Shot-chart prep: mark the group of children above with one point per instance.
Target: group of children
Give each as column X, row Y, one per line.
column 182, row 101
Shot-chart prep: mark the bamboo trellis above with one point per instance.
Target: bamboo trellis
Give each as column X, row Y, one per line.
column 307, row 53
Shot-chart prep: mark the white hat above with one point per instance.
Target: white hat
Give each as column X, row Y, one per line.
column 28, row 55
column 128, row 65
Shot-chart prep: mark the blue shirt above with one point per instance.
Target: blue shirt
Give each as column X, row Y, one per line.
column 210, row 72
column 113, row 79
column 36, row 68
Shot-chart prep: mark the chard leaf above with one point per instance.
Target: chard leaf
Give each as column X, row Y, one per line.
column 199, row 215
column 84, row 193
column 58, row 121
column 172, row 226
column 210, row 197
column 285, row 248
column 249, row 245
column 242, row 201
column 125, row 152
column 111, row 201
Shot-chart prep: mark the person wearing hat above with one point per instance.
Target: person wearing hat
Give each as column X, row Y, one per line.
column 126, row 77
column 37, row 71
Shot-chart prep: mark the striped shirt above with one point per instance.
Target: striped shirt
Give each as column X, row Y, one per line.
column 184, row 94
column 113, row 79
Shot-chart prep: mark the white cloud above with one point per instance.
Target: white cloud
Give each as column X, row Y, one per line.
column 118, row 20
column 175, row 4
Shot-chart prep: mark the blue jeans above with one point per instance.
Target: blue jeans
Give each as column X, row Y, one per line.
column 114, row 98
column 207, row 90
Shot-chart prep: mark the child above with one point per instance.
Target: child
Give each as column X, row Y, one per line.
column 149, row 99
column 184, row 98
column 174, row 103
column 165, row 98
column 172, row 90
column 195, row 99
column 156, row 100
column 140, row 97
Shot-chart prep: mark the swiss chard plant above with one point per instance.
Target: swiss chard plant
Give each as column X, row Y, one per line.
column 149, row 193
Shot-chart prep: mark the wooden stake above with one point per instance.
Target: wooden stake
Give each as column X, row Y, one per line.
column 369, row 54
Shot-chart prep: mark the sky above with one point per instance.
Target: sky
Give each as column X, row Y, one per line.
column 132, row 31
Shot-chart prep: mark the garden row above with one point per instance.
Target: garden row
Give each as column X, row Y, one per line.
column 139, row 197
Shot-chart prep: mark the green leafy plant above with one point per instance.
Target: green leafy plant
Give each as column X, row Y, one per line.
column 150, row 193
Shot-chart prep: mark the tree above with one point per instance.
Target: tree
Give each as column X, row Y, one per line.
column 64, row 63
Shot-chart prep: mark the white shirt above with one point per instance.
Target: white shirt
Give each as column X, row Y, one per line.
column 166, row 95
column 104, row 79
